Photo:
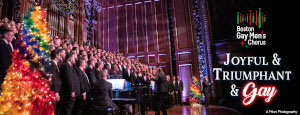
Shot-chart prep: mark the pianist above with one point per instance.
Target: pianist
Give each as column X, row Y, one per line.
column 102, row 95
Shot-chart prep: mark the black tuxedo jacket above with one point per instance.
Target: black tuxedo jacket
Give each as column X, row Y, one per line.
column 169, row 86
column 91, row 75
column 134, row 79
column 56, row 80
column 180, row 86
column 121, row 68
column 84, row 83
column 126, row 75
column 97, row 74
column 206, row 87
column 69, row 79
column 5, row 58
column 102, row 95
column 60, row 62
column 161, row 83
column 145, row 82
column 174, row 87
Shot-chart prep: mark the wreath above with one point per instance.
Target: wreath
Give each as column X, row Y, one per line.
column 66, row 6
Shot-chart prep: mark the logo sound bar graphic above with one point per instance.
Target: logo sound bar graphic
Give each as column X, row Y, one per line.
column 257, row 18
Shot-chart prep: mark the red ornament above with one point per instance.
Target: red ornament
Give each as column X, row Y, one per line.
column 43, row 13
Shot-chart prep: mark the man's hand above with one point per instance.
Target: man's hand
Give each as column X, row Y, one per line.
column 57, row 97
column 84, row 96
column 211, row 81
column 152, row 77
column 73, row 94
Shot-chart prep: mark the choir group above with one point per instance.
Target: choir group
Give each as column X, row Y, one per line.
column 79, row 74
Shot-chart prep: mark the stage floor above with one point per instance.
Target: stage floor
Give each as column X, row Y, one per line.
column 202, row 110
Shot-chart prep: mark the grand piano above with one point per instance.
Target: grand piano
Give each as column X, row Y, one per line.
column 136, row 94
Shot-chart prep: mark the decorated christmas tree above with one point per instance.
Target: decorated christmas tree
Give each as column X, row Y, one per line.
column 26, row 88
column 195, row 92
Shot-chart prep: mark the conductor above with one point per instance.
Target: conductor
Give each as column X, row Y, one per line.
column 206, row 89
column 161, row 92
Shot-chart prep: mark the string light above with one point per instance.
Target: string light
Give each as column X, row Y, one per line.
column 20, row 96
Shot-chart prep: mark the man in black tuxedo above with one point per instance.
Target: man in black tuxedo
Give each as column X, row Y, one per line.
column 206, row 89
column 62, row 54
column 180, row 90
column 57, row 42
column 107, row 68
column 161, row 91
column 98, row 68
column 145, row 97
column 144, row 80
column 120, row 67
column 174, row 90
column 126, row 76
column 126, row 73
column 169, row 102
column 116, row 73
column 70, row 88
column 5, row 52
column 85, row 87
column 102, row 95
column 115, row 62
column 90, row 72
column 134, row 78
column 56, row 80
